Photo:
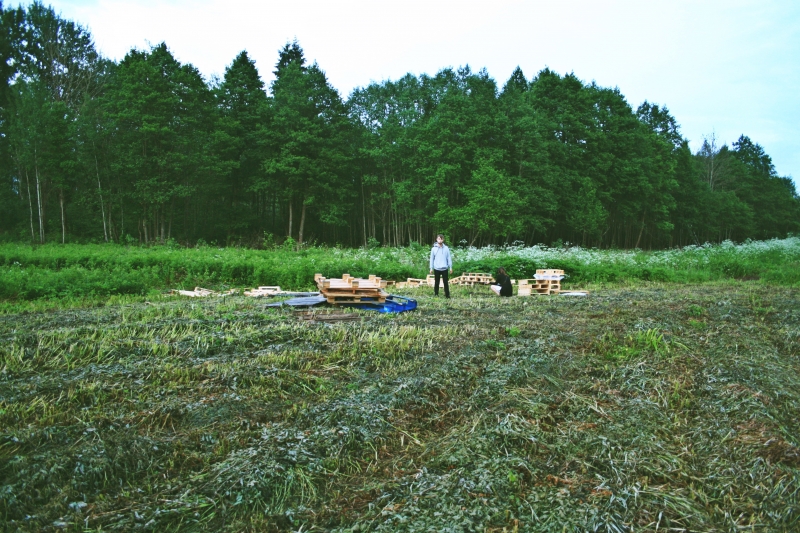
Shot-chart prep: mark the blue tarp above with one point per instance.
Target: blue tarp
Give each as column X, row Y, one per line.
column 392, row 304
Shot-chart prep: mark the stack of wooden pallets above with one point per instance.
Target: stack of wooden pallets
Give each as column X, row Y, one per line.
column 545, row 282
column 348, row 289
column 473, row 278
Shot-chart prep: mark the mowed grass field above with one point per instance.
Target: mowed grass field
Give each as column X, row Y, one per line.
column 647, row 407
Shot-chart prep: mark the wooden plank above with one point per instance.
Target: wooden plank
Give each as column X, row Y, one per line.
column 358, row 294
column 338, row 299
column 353, row 283
column 317, row 316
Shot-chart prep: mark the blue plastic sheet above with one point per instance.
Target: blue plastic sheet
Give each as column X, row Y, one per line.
column 392, row 304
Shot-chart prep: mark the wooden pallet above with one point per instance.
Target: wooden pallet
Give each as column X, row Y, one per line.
column 473, row 278
column 269, row 290
column 412, row 283
column 550, row 271
column 354, row 299
column 348, row 289
column 528, row 287
column 552, row 274
column 349, row 282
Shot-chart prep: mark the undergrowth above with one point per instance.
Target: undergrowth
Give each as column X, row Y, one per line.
column 91, row 271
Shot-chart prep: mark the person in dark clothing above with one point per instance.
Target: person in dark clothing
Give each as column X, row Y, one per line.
column 502, row 287
column 441, row 261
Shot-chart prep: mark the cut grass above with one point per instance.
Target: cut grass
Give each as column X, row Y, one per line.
column 657, row 407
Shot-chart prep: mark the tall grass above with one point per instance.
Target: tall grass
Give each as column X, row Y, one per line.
column 628, row 410
column 63, row 271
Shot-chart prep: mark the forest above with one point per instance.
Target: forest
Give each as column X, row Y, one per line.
column 146, row 150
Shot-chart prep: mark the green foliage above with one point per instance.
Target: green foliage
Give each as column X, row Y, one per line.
column 695, row 310
column 650, row 341
column 268, row 242
column 98, row 151
column 82, row 270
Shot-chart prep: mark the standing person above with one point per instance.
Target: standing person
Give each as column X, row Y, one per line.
column 441, row 262
column 502, row 287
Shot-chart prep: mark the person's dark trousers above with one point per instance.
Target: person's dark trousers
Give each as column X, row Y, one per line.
column 441, row 274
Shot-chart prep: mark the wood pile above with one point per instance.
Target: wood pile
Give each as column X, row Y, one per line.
column 546, row 281
column 348, row 289
column 466, row 278
column 473, row 278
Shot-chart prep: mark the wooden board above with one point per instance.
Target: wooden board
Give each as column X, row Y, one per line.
column 318, row 316
column 271, row 290
column 345, row 299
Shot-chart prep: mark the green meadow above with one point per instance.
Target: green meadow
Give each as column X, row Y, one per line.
column 665, row 400
column 97, row 272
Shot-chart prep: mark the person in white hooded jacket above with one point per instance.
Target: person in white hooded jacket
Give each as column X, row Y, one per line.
column 441, row 262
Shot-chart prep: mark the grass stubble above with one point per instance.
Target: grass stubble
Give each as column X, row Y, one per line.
column 658, row 407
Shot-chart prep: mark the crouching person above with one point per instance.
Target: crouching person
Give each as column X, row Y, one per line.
column 502, row 287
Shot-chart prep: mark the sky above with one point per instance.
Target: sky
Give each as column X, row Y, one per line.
column 723, row 68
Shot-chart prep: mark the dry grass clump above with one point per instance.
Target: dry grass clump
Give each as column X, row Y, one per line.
column 659, row 407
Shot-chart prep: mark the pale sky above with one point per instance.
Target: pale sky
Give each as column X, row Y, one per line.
column 728, row 67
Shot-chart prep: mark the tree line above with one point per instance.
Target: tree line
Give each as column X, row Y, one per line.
column 145, row 150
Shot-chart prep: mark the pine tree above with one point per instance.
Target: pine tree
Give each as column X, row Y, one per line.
column 242, row 103
column 309, row 136
column 162, row 113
